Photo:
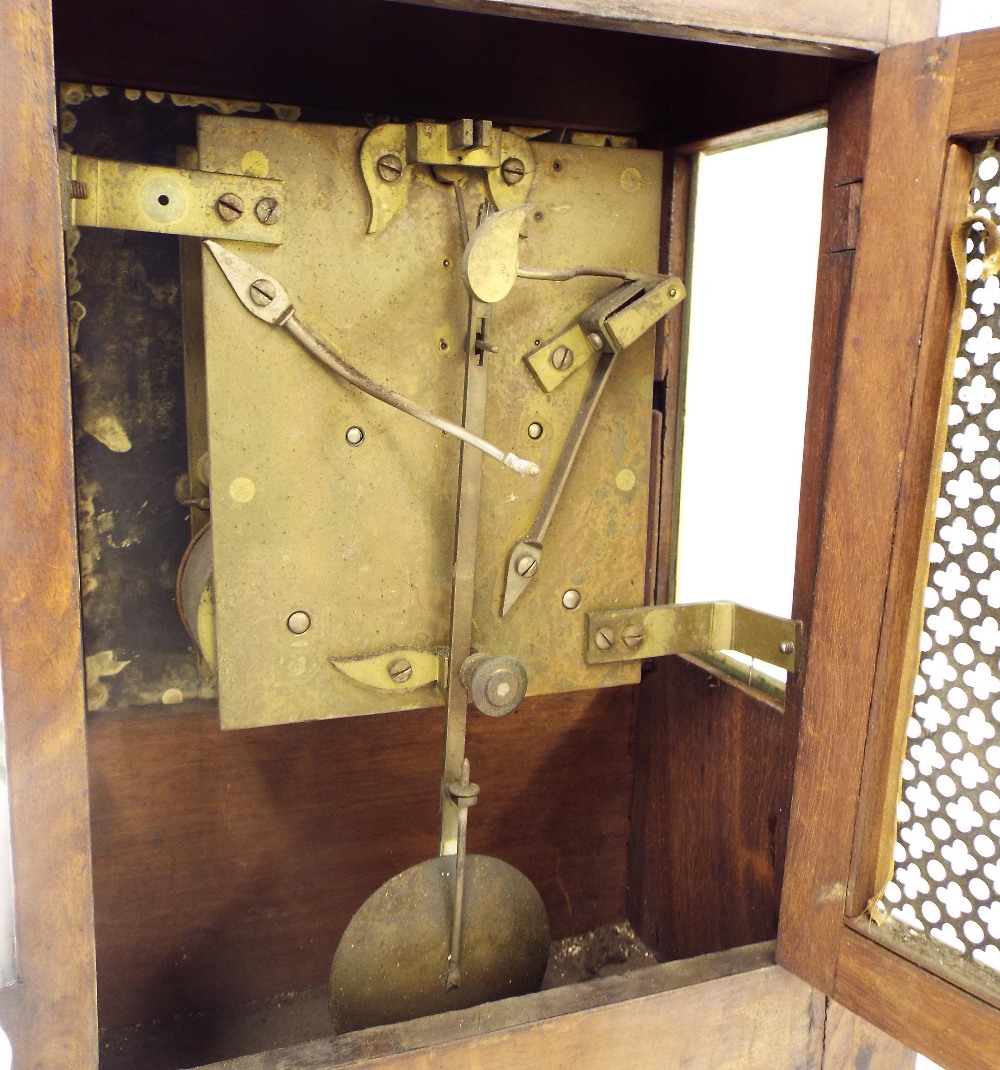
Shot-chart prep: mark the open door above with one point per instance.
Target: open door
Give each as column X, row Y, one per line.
column 890, row 910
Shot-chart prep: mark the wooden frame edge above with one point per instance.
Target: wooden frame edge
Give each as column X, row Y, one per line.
column 914, row 86
column 54, row 1024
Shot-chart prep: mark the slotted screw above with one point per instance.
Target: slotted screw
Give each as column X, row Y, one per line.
column 604, row 639
column 526, row 566
column 229, row 206
column 400, row 671
column 262, row 292
column 512, row 170
column 389, row 167
column 268, row 211
column 562, row 358
column 633, row 636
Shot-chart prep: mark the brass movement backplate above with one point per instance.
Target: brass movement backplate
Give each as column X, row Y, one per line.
column 333, row 516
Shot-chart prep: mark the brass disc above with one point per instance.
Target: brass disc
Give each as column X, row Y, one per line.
column 392, row 961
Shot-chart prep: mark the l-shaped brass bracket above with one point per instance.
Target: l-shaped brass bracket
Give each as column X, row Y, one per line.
column 697, row 628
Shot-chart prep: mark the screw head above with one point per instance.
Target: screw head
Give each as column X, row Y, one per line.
column 596, row 341
column 526, row 566
column 571, row 598
column 633, row 636
column 787, row 647
column 299, row 622
column 389, row 167
column 355, row 436
column 562, row 358
column 604, row 639
column 400, row 671
column 229, row 206
column 535, row 431
column 512, row 170
column 672, row 292
column 262, row 292
column 268, row 211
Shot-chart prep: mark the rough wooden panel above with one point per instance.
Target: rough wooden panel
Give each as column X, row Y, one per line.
column 905, row 166
column 851, row 1043
column 848, row 28
column 709, row 794
column 226, row 865
column 758, row 1020
column 54, row 1027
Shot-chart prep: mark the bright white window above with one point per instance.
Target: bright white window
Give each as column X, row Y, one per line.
column 752, row 276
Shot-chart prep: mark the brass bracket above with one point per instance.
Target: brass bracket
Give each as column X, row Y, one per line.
column 170, row 200
column 389, row 153
column 615, row 322
column 697, row 628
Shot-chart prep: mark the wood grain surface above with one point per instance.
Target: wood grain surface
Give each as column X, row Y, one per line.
column 852, row 1043
column 892, row 701
column 53, row 1023
column 709, row 790
column 955, row 1030
column 227, row 864
column 800, row 25
column 874, row 391
column 763, row 1019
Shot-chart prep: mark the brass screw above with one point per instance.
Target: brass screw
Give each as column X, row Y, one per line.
column 604, row 639
column 389, row 167
column 268, row 211
column 229, row 206
column 562, row 358
column 526, row 566
column 512, row 170
column 400, row 671
column 787, row 647
column 262, row 292
column 633, row 636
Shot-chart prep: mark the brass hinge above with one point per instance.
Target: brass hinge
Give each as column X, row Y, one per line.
column 697, row 628
column 170, row 200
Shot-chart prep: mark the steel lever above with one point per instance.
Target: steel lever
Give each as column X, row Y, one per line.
column 268, row 300
column 526, row 557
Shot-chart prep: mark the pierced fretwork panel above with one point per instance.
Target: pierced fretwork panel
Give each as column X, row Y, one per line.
column 947, row 857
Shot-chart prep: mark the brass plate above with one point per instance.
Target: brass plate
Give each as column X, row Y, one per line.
column 361, row 537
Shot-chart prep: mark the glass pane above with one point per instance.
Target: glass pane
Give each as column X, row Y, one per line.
column 752, row 288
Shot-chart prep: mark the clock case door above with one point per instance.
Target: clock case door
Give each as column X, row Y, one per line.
column 933, row 104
